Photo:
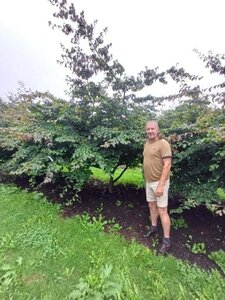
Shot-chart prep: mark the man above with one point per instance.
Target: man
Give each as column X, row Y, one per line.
column 156, row 165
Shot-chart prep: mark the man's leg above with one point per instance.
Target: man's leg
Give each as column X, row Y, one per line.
column 153, row 211
column 165, row 220
column 166, row 224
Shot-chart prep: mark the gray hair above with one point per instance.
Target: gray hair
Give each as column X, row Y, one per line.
column 154, row 122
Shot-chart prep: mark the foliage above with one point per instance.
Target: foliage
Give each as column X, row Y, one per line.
column 51, row 147
column 197, row 247
column 49, row 140
column 99, row 286
column 111, row 104
column 196, row 130
column 178, row 223
column 47, row 147
column 98, row 223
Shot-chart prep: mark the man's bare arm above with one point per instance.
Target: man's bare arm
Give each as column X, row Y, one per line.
column 167, row 162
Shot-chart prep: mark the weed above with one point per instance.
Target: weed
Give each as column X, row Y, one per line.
column 219, row 228
column 99, row 223
column 93, row 223
column 68, row 202
column 178, row 223
column 9, row 275
column 98, row 285
column 118, row 203
column 39, row 196
column 155, row 242
column 130, row 205
column 99, row 210
column 197, row 247
column 7, row 241
column 115, row 228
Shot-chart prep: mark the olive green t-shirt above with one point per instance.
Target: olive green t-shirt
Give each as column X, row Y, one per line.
column 153, row 154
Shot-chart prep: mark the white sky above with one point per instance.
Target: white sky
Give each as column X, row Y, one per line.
column 143, row 33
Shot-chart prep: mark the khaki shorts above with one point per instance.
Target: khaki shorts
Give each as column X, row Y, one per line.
column 150, row 187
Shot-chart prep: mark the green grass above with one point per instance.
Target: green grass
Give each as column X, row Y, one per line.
column 130, row 177
column 219, row 258
column 43, row 256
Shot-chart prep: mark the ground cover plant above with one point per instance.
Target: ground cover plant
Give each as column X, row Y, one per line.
column 45, row 256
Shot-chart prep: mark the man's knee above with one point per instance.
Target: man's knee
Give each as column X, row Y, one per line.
column 163, row 211
column 152, row 204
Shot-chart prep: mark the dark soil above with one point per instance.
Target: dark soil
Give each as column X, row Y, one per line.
column 128, row 207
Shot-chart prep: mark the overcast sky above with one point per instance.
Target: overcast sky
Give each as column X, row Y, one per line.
column 143, row 33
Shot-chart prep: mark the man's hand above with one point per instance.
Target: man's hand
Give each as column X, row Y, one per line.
column 159, row 191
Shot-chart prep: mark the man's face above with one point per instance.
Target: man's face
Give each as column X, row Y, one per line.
column 152, row 131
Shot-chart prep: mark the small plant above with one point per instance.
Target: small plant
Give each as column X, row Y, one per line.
column 130, row 205
column 217, row 209
column 189, row 241
column 219, row 228
column 178, row 223
column 197, row 247
column 94, row 223
column 69, row 202
column 7, row 241
column 155, row 242
column 39, row 196
column 98, row 285
column 115, row 228
column 9, row 275
column 118, row 203
column 99, row 210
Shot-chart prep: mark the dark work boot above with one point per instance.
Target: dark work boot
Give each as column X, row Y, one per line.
column 153, row 230
column 165, row 246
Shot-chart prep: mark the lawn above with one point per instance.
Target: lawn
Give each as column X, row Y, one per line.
column 45, row 256
column 130, row 177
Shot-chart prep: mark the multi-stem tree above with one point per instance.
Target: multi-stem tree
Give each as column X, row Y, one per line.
column 112, row 107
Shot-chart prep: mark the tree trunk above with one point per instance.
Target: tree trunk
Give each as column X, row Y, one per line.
column 111, row 184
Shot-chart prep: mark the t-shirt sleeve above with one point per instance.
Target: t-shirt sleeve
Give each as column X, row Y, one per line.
column 166, row 149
